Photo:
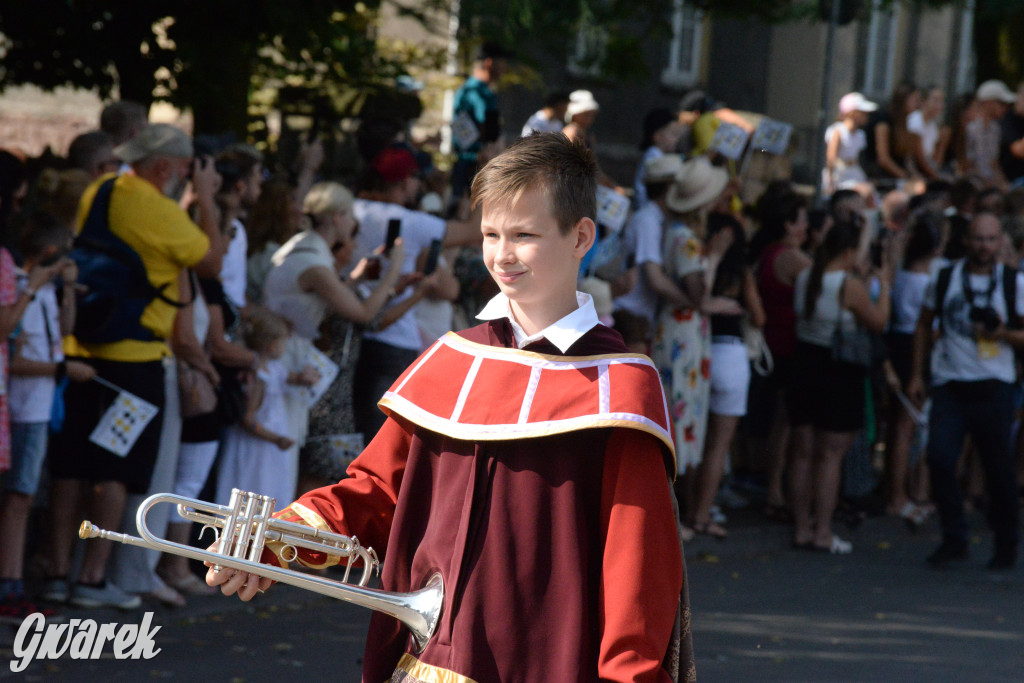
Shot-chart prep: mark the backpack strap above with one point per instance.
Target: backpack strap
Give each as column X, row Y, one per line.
column 97, row 222
column 96, row 235
column 1013, row 321
column 941, row 287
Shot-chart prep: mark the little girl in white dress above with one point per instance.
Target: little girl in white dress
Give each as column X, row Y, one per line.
column 255, row 455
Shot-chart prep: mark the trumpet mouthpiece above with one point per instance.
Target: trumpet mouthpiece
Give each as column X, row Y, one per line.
column 87, row 529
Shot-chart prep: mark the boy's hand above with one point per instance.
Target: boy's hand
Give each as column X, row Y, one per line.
column 77, row 371
column 235, row 581
column 283, row 442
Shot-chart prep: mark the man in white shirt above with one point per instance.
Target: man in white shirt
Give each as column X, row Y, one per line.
column 241, row 169
column 642, row 239
column 973, row 372
column 393, row 186
column 551, row 117
column 984, row 133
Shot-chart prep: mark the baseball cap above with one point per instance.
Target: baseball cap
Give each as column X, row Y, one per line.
column 394, row 164
column 854, row 101
column 995, row 90
column 156, row 139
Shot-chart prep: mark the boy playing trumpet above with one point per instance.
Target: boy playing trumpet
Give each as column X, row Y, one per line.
column 526, row 460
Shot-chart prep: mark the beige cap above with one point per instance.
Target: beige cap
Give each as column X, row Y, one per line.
column 156, row 139
column 697, row 183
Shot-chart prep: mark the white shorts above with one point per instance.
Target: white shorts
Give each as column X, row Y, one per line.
column 730, row 378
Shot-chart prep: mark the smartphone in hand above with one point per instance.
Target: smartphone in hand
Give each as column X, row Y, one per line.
column 432, row 255
column 394, row 231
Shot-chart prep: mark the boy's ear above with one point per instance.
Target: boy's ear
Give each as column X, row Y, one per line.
column 584, row 232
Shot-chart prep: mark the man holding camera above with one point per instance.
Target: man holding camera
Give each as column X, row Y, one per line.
column 979, row 307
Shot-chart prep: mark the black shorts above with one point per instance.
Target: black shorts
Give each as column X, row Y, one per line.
column 765, row 393
column 824, row 393
column 73, row 456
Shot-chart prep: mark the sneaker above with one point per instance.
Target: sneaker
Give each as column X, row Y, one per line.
column 55, row 590
column 949, row 551
column 107, row 596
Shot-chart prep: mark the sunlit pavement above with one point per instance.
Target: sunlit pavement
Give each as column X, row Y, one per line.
column 762, row 612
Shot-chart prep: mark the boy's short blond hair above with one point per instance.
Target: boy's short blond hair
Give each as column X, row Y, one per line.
column 565, row 170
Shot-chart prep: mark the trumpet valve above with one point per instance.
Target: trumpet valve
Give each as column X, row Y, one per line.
column 88, row 530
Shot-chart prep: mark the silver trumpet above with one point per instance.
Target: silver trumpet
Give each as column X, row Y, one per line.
column 243, row 526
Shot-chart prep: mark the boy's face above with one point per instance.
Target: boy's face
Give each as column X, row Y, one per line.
column 527, row 255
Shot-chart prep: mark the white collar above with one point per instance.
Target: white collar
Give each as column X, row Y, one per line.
column 562, row 333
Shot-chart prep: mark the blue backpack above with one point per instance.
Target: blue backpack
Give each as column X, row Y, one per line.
column 116, row 287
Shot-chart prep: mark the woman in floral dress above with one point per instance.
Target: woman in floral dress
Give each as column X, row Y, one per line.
column 682, row 343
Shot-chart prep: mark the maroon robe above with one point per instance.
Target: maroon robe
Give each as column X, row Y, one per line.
column 559, row 553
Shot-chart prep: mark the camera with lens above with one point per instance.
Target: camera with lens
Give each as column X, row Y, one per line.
column 987, row 316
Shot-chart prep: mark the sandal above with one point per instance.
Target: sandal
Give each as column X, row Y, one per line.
column 712, row 529
column 686, row 534
column 837, row 547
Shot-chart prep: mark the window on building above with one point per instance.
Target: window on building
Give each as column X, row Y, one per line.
column 878, row 70
column 684, row 51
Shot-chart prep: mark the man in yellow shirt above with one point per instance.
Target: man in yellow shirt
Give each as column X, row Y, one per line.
column 144, row 214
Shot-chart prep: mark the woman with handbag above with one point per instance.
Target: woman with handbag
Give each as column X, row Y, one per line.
column 826, row 399
column 202, row 342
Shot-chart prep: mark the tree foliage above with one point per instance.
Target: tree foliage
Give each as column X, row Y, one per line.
column 208, row 56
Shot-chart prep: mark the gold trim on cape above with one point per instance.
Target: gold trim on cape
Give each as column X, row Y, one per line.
column 424, row 673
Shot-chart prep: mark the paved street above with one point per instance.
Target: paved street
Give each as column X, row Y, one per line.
column 763, row 612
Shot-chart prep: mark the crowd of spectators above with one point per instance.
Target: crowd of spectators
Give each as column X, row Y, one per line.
column 788, row 336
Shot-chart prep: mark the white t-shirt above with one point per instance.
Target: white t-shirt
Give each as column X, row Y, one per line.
column 418, row 230
column 851, row 142
column 927, row 130
column 232, row 271
column 282, row 293
column 538, row 123
column 908, row 290
column 957, row 355
column 31, row 397
column 642, row 237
